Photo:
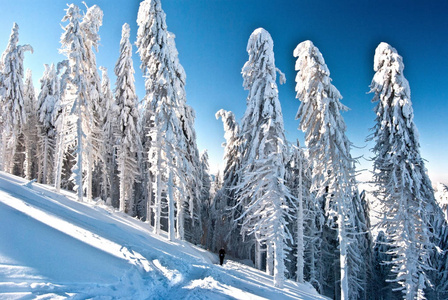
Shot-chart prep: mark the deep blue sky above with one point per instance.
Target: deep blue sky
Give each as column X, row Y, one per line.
column 211, row 37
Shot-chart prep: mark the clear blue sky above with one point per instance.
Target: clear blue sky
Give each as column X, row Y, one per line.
column 211, row 37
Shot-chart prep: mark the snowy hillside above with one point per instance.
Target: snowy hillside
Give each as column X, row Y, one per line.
column 53, row 247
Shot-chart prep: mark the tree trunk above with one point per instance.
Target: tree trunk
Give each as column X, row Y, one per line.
column 170, row 207
column 149, row 208
column 279, row 264
column 79, row 155
column 123, row 187
column 342, row 236
column 257, row 255
column 300, row 246
column 28, row 159
column 269, row 258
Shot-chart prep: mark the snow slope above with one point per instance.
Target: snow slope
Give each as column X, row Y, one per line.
column 52, row 247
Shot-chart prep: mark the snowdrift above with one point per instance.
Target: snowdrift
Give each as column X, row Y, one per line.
column 52, row 247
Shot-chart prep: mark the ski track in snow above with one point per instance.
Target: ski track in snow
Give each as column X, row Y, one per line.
column 53, row 247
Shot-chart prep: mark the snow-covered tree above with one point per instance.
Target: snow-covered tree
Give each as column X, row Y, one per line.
column 306, row 213
column 403, row 187
column 30, row 128
column 204, row 230
column 91, row 22
column 80, row 120
column 361, row 260
column 63, row 123
column 442, row 198
column 12, row 106
column 109, row 124
column 307, row 226
column 171, row 150
column 129, row 143
column 263, row 193
column 48, row 97
column 439, row 258
column 227, row 232
column 329, row 150
column 382, row 284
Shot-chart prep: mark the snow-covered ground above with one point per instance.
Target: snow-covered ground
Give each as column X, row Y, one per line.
column 52, row 247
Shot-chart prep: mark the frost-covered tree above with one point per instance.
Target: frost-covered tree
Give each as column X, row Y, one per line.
column 361, row 259
column 129, row 144
column 48, row 97
column 204, row 230
column 109, row 125
column 30, row 128
column 307, row 226
column 403, row 186
column 442, row 198
column 79, row 123
column 63, row 124
column 263, row 194
column 307, row 213
column 171, row 148
column 382, row 284
column 91, row 22
column 12, row 106
column 82, row 94
column 439, row 258
column 329, row 150
column 226, row 230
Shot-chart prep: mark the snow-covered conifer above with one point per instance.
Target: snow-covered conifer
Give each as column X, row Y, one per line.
column 382, row 281
column 91, row 22
column 204, row 230
column 109, row 125
column 226, row 230
column 403, row 186
column 329, row 150
column 306, row 212
column 442, row 198
column 63, row 125
column 11, row 99
column 232, row 156
column 48, row 97
column 30, row 128
column 129, row 143
column 263, row 194
column 439, row 258
column 73, row 42
column 361, row 260
column 171, row 150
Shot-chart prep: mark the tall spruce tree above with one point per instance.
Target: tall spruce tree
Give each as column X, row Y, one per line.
column 171, row 150
column 48, row 97
column 82, row 95
column 263, row 194
column 109, row 124
column 329, row 150
column 201, row 232
column 129, row 143
column 403, row 187
column 12, row 99
column 30, row 128
column 439, row 274
column 91, row 22
column 63, row 123
column 226, row 230
column 81, row 116
column 382, row 283
column 442, row 198
column 304, row 226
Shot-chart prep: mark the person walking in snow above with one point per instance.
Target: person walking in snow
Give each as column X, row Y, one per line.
column 222, row 253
